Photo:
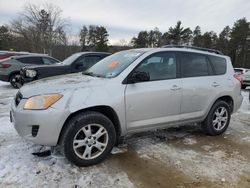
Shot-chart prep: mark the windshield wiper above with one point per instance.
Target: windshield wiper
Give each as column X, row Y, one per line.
column 91, row 74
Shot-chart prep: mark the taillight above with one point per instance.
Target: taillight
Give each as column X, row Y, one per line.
column 5, row 65
column 237, row 76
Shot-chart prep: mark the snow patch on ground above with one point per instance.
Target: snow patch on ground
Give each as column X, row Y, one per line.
column 245, row 107
column 176, row 149
column 211, row 164
column 19, row 168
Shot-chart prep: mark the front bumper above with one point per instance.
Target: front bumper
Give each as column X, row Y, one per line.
column 50, row 123
column 4, row 78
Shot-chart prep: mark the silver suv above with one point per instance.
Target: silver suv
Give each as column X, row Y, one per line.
column 130, row 91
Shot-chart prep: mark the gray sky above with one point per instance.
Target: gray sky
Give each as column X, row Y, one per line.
column 124, row 18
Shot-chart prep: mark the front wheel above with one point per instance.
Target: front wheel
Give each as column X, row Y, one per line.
column 218, row 119
column 88, row 139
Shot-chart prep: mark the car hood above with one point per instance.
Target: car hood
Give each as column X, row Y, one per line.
column 58, row 84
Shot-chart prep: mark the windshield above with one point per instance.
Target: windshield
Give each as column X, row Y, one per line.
column 113, row 65
column 71, row 59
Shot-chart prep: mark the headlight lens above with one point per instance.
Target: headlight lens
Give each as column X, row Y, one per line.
column 41, row 102
column 31, row 73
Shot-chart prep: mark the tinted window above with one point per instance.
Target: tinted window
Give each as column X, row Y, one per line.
column 49, row 61
column 159, row 66
column 193, row 65
column 219, row 64
column 31, row 60
column 89, row 61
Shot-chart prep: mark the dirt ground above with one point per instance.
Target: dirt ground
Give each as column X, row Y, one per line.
column 175, row 157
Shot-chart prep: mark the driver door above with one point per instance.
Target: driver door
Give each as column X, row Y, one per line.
column 155, row 102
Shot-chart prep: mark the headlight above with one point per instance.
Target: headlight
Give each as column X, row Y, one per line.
column 41, row 102
column 31, row 73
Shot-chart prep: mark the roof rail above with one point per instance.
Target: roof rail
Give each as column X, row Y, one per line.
column 194, row 48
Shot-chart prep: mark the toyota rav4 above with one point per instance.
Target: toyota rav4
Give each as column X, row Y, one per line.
column 130, row 91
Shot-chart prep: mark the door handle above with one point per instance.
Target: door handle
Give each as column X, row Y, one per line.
column 215, row 84
column 175, row 87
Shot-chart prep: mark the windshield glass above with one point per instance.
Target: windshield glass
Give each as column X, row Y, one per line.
column 71, row 59
column 113, row 65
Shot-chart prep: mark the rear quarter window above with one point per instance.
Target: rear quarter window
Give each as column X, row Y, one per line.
column 219, row 64
column 31, row 60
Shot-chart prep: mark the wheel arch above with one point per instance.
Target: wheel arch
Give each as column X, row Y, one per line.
column 105, row 110
column 228, row 99
column 12, row 73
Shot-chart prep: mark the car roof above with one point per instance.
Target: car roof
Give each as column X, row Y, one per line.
column 177, row 49
column 104, row 53
column 23, row 56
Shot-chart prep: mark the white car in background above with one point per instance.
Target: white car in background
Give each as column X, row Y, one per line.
column 245, row 80
column 240, row 70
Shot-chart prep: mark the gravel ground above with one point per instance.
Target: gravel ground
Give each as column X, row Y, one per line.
column 175, row 157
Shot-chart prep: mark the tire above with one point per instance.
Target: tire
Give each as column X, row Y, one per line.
column 13, row 80
column 215, row 124
column 243, row 86
column 78, row 143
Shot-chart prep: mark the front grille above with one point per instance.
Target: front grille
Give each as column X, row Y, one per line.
column 34, row 130
column 18, row 98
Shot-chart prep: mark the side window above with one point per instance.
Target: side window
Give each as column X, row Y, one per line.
column 160, row 66
column 31, row 60
column 49, row 61
column 87, row 61
column 194, row 65
column 219, row 64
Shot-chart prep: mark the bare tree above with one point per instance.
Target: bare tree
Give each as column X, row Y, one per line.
column 41, row 27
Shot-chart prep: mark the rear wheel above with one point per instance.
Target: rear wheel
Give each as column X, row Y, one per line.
column 218, row 119
column 13, row 80
column 88, row 138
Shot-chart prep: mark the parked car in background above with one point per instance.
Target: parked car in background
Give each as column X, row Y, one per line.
column 10, row 67
column 7, row 54
column 240, row 70
column 245, row 80
column 75, row 63
column 127, row 92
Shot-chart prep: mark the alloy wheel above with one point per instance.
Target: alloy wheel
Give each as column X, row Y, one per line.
column 220, row 118
column 90, row 141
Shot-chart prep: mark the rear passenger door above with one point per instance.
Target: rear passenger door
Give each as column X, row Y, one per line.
column 199, row 86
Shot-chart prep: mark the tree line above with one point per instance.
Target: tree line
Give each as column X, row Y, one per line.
column 94, row 38
column 43, row 30
column 234, row 42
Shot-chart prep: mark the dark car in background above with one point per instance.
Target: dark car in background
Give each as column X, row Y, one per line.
column 10, row 67
column 75, row 63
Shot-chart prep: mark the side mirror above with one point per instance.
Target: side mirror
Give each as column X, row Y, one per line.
column 139, row 77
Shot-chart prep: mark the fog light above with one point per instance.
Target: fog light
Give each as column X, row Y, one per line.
column 34, row 130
